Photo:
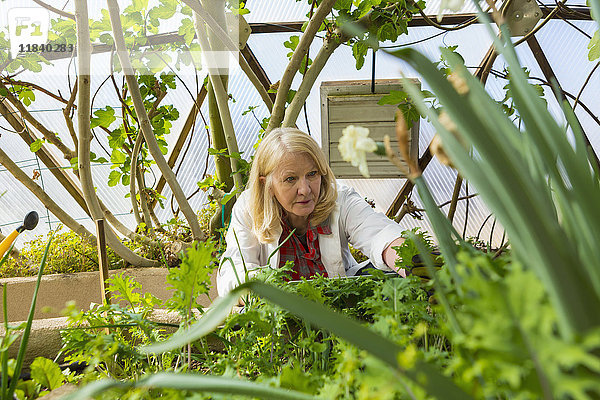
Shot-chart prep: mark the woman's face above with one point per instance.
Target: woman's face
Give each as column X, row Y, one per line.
column 296, row 186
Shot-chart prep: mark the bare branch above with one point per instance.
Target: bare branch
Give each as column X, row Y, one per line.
column 222, row 101
column 67, row 112
column 51, row 137
column 226, row 41
column 36, row 87
column 50, row 204
column 294, row 64
column 55, row 10
column 293, row 110
column 132, row 178
column 144, row 200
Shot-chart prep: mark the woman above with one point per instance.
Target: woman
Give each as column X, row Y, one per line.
column 292, row 189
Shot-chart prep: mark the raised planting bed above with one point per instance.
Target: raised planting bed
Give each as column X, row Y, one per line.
column 82, row 288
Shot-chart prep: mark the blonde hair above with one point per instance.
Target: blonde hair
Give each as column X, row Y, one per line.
column 265, row 210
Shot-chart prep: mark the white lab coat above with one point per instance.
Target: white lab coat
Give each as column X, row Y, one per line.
column 352, row 221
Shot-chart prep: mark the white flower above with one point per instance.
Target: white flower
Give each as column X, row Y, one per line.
column 354, row 145
column 452, row 5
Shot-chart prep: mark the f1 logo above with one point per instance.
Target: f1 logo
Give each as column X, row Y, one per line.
column 27, row 26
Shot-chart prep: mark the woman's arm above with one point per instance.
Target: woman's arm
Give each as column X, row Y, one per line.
column 390, row 257
column 371, row 232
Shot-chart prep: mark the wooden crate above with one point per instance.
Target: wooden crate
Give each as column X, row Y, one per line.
column 346, row 103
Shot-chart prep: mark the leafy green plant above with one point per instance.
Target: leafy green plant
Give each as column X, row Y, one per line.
column 105, row 336
column 191, row 279
column 512, row 172
column 509, row 345
column 378, row 346
column 515, row 163
column 68, row 253
column 542, row 188
column 46, row 376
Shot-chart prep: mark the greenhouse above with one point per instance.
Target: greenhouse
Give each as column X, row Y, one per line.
column 300, row 199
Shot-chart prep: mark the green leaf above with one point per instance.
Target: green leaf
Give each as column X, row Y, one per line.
column 35, row 146
column 73, row 161
column 359, row 51
column 125, row 288
column 193, row 382
column 594, row 47
column 402, row 27
column 342, row 5
column 139, row 5
column 291, row 94
column 106, row 38
column 7, row 341
column 27, row 96
column 117, row 138
column 118, row 157
column 249, row 110
column 47, row 373
column 103, row 117
column 191, row 278
column 113, row 178
column 395, row 97
column 228, row 197
column 186, row 10
column 162, row 12
column 125, row 179
column 99, row 160
column 387, row 32
column 294, row 377
column 216, row 152
column 410, row 112
column 292, row 43
column 186, row 29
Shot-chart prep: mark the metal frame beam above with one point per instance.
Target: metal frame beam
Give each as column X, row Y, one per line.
column 572, row 14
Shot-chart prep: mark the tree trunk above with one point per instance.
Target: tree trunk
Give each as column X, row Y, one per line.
column 220, row 92
column 145, row 125
column 143, row 200
column 228, row 44
column 288, row 76
column 293, row 110
column 83, row 120
column 217, row 136
column 132, row 178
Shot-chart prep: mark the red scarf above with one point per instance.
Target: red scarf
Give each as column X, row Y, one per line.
column 307, row 262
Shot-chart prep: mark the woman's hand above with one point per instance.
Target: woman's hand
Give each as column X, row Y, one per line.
column 390, row 256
